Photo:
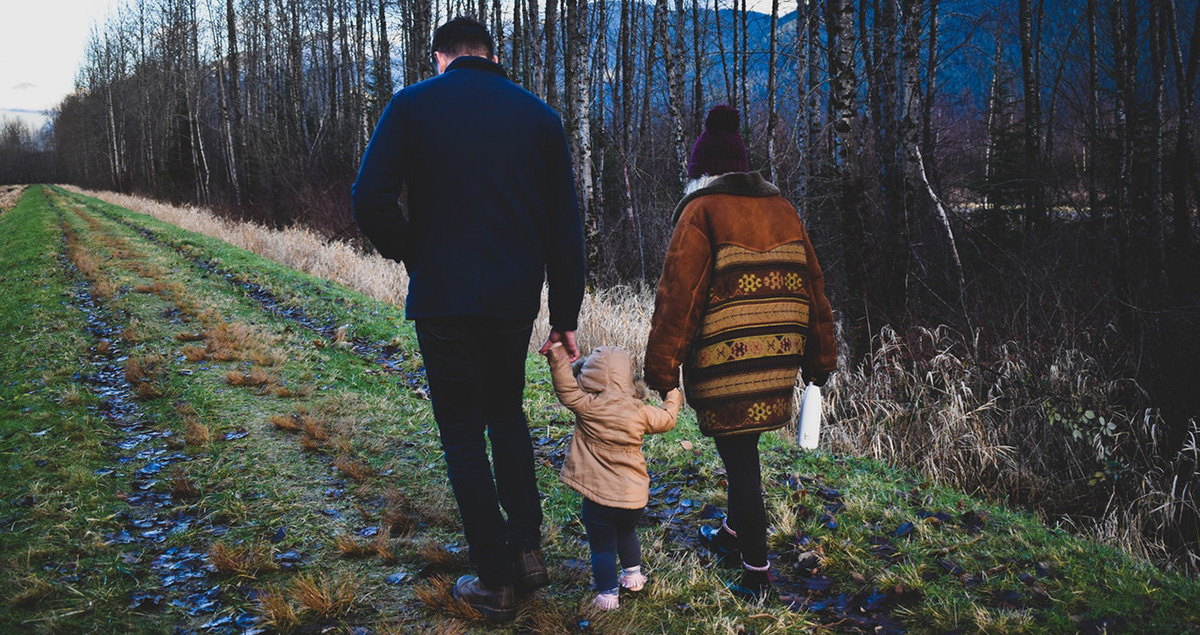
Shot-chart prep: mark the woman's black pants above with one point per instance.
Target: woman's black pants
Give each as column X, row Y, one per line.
column 747, row 513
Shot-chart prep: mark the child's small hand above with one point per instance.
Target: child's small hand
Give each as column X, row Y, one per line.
column 556, row 351
column 673, row 394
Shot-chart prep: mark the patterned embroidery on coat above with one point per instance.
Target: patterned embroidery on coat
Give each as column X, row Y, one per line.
column 742, row 371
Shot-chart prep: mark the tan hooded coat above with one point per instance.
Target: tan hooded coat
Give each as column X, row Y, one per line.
column 604, row 461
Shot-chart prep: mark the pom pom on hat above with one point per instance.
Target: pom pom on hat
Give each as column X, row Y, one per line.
column 720, row 148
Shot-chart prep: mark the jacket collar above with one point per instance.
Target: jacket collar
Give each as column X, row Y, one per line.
column 477, row 63
column 735, row 183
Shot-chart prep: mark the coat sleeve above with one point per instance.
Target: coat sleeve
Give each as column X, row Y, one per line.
column 564, row 245
column 566, row 386
column 680, row 300
column 820, row 350
column 662, row 418
column 375, row 196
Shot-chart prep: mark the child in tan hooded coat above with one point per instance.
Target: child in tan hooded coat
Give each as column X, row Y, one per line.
column 605, row 462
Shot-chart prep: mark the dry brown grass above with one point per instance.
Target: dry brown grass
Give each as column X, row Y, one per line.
column 288, row 423
column 348, row 547
column 313, row 433
column 9, row 195
column 194, row 353
column 104, row 289
column 257, row 378
column 267, row 357
column 276, row 611
column 400, row 513
column 145, row 374
column 230, row 341
column 356, row 470
column 241, row 560
column 87, row 264
column 195, row 432
column 1022, row 423
column 325, row 596
column 536, row 615
column 286, row 392
column 403, row 513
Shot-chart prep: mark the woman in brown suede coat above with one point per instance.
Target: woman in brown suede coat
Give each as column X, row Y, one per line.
column 741, row 307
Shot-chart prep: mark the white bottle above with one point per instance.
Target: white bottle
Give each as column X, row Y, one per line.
column 810, row 417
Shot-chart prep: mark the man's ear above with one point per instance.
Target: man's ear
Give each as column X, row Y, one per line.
column 495, row 59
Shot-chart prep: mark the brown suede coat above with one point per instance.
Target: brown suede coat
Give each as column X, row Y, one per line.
column 740, row 306
column 604, row 461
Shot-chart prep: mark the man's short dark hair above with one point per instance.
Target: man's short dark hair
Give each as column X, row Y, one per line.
column 463, row 36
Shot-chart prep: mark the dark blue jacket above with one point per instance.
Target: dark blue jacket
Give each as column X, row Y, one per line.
column 491, row 208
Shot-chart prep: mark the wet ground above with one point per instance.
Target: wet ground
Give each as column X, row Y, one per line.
column 142, row 454
column 142, row 457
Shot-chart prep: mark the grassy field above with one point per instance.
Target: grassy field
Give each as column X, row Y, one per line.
column 196, row 439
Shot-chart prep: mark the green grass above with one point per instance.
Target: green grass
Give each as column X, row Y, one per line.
column 265, row 493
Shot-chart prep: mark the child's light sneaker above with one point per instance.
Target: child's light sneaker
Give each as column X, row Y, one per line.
column 632, row 578
column 607, row 601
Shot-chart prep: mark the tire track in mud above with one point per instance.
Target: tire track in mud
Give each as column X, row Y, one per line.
column 143, row 453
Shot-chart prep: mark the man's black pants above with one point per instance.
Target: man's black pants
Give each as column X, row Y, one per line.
column 476, row 371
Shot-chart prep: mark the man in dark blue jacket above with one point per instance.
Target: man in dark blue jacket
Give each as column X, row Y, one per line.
column 491, row 213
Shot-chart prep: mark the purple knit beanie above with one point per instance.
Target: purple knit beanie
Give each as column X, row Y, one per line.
column 719, row 148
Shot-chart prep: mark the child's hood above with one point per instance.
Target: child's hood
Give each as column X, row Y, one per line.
column 606, row 368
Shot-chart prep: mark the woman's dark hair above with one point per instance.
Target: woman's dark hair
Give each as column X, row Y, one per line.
column 463, row 36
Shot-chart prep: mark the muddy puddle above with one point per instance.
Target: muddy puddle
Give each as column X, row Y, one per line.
column 178, row 575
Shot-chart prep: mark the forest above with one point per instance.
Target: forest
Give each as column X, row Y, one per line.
column 1018, row 179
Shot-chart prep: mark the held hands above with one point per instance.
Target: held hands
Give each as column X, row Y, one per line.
column 564, row 339
column 556, row 351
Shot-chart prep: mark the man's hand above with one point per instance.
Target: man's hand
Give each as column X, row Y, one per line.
column 566, row 338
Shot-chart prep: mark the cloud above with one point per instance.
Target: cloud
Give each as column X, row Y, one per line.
column 25, row 86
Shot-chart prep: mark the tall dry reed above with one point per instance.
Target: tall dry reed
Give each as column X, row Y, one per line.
column 295, row 247
column 9, row 195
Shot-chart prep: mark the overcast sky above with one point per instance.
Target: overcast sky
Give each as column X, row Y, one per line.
column 41, row 46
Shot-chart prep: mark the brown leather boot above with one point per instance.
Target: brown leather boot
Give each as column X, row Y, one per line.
column 498, row 604
column 529, row 570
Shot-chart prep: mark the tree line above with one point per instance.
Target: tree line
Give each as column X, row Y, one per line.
column 1015, row 169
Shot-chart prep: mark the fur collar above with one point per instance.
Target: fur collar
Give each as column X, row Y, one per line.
column 736, row 183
